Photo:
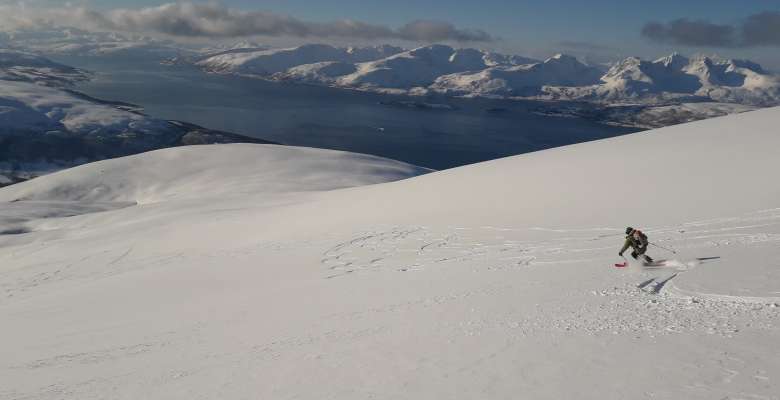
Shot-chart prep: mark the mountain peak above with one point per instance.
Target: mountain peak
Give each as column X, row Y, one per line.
column 562, row 57
column 246, row 44
column 674, row 60
column 628, row 61
column 702, row 60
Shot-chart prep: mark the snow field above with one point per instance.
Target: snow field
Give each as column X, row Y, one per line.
column 246, row 271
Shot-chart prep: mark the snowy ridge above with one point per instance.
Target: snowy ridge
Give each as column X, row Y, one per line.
column 168, row 280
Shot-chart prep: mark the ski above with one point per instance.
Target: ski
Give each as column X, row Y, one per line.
column 656, row 263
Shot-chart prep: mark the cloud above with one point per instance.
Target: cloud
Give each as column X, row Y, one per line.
column 434, row 31
column 690, row 33
column 211, row 20
column 762, row 29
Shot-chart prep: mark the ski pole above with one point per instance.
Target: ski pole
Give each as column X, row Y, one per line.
column 662, row 247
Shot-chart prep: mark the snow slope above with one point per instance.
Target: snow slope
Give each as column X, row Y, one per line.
column 257, row 277
column 211, row 172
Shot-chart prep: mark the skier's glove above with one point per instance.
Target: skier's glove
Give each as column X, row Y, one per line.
column 620, row 254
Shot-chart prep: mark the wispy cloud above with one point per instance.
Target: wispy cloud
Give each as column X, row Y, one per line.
column 211, row 20
column 434, row 31
column 762, row 29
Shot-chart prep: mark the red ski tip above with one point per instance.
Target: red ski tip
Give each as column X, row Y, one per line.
column 622, row 265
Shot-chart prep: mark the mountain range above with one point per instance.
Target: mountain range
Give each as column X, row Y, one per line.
column 469, row 72
column 438, row 69
column 676, row 77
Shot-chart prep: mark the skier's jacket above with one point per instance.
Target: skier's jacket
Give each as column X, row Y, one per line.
column 637, row 240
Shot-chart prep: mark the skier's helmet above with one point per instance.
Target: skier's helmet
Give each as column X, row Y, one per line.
column 629, row 230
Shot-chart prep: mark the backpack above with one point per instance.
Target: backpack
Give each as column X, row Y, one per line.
column 642, row 236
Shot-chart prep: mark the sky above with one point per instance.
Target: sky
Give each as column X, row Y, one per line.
column 599, row 30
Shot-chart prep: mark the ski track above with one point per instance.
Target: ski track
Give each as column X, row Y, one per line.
column 644, row 302
column 482, row 249
column 639, row 303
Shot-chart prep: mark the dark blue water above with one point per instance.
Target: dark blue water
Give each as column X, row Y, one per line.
column 474, row 130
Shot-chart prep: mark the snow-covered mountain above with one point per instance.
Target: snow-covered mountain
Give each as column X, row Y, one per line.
column 381, row 67
column 45, row 127
column 268, row 62
column 522, row 80
column 671, row 78
column 435, row 69
column 325, row 72
column 419, row 67
column 191, row 56
column 676, row 77
column 471, row 72
column 242, row 45
column 252, row 271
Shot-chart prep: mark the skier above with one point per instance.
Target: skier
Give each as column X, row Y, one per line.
column 638, row 242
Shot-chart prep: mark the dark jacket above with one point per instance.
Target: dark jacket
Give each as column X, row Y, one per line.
column 637, row 240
